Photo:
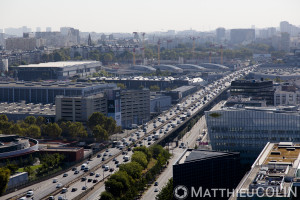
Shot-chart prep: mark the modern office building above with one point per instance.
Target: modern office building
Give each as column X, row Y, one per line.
column 257, row 90
column 135, row 107
column 247, row 130
column 57, row 70
column 238, row 36
column 45, row 92
column 275, row 174
column 199, row 171
column 286, row 95
column 159, row 103
column 80, row 108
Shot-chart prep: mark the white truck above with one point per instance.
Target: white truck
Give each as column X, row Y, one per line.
column 126, row 158
column 83, row 166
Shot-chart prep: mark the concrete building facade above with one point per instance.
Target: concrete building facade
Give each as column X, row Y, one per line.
column 135, row 107
column 79, row 109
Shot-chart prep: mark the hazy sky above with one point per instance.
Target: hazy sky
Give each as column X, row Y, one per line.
column 147, row 15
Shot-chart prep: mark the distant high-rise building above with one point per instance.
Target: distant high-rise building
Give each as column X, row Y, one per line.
column 72, row 34
column 285, row 27
column 285, row 42
column 2, row 40
column 111, row 37
column 220, row 34
column 48, row 29
column 38, row 29
column 271, row 31
column 103, row 37
column 242, row 35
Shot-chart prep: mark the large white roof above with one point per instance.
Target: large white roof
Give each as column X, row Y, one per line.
column 61, row 64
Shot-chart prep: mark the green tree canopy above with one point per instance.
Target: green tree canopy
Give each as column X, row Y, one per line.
column 100, row 133
column 106, row 196
column 118, row 183
column 33, row 131
column 76, row 129
column 166, row 192
column 133, row 169
column 30, row 120
column 97, row 118
column 52, row 130
column 4, row 178
column 141, row 158
column 3, row 118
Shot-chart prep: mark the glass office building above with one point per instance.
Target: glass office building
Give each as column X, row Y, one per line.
column 247, row 130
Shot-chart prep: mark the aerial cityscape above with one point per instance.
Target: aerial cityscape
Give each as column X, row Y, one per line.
column 149, row 100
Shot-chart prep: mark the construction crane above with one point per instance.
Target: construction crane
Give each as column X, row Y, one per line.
column 158, row 52
column 194, row 45
column 143, row 34
column 133, row 56
column 211, row 45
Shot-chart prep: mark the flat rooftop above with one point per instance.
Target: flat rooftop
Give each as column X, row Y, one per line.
column 276, row 166
column 53, row 84
column 183, row 88
column 29, row 108
column 65, row 149
column 191, row 155
column 61, row 64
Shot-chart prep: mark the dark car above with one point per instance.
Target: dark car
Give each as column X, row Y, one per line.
column 111, row 169
column 99, row 155
column 74, row 169
column 83, row 179
column 103, row 166
column 76, row 172
column 156, row 184
column 95, row 181
column 74, row 189
column 116, row 162
column 92, row 173
column 103, row 159
column 90, row 180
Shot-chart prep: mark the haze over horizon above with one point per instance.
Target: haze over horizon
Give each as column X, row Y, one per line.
column 147, row 16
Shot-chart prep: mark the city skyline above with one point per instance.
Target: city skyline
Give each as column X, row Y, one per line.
column 121, row 16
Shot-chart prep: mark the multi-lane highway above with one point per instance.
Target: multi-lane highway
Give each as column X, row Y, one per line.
column 155, row 129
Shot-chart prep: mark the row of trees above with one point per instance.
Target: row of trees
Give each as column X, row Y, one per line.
column 50, row 162
column 133, row 176
column 100, row 126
